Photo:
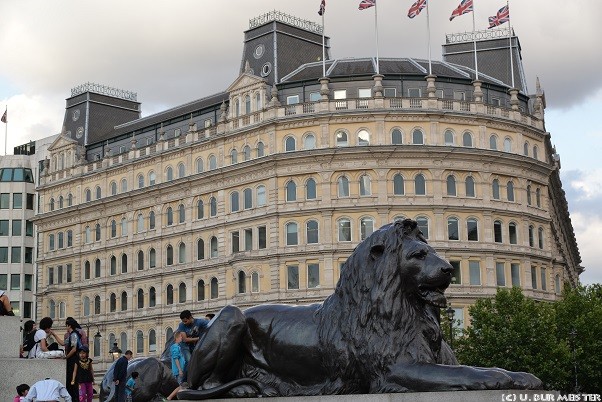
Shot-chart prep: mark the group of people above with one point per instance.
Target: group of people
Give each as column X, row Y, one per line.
column 80, row 372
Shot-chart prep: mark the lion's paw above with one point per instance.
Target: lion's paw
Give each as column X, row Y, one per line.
column 492, row 379
column 243, row 391
column 525, row 380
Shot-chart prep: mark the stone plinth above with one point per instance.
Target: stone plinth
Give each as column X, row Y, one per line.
column 457, row 396
column 17, row 371
column 10, row 336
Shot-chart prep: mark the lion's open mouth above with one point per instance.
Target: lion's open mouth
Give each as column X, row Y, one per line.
column 433, row 296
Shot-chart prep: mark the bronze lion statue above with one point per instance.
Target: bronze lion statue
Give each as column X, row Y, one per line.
column 378, row 332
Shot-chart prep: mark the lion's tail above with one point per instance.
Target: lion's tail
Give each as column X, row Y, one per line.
column 201, row 394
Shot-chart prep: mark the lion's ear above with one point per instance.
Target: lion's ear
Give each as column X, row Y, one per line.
column 377, row 251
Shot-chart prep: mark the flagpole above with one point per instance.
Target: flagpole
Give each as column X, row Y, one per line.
column 510, row 43
column 376, row 31
column 428, row 28
column 323, row 49
column 474, row 41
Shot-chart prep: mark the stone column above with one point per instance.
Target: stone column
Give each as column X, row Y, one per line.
column 513, row 98
column 324, row 93
column 378, row 91
column 478, row 93
column 430, row 85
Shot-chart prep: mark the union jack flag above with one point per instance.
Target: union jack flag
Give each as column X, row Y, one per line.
column 4, row 117
column 463, row 8
column 503, row 15
column 416, row 8
column 367, row 4
column 322, row 8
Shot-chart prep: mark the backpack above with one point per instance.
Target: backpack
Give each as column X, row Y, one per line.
column 29, row 342
column 82, row 338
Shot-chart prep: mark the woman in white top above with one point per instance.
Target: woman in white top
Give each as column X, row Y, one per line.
column 40, row 350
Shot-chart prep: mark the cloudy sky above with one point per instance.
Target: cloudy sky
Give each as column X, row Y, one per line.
column 172, row 52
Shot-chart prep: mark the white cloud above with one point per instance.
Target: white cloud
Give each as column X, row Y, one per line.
column 589, row 185
column 588, row 230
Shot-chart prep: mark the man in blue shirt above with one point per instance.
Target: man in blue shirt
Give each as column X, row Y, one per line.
column 191, row 331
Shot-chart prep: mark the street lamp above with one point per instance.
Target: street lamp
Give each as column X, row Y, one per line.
column 449, row 311
column 97, row 336
column 115, row 351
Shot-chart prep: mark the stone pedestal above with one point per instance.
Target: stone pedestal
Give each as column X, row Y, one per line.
column 10, row 336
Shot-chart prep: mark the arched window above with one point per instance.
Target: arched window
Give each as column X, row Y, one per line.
column 140, row 298
column 96, row 304
column 291, row 191
column 88, row 195
column 98, row 193
column 87, row 236
column 140, row 223
column 182, row 253
column 200, row 249
column 529, row 194
column 152, row 341
column 139, row 342
column 292, row 234
column 86, row 306
column 234, row 202
column 213, row 246
column 495, row 189
column 124, row 227
column 453, row 229
column 113, row 303
column 341, row 138
column 538, row 197
column 497, row 232
column 152, row 178
column 233, row 156
column 124, row 341
column 237, row 107
column 182, row 293
column 151, row 220
column 62, row 309
column 124, row 263
column 181, row 170
column 169, row 214
column 212, row 162
column 97, row 268
column 97, row 234
column 69, row 200
column 309, row 142
column 289, row 144
column 398, row 185
column 169, row 295
column 212, row 207
column 181, row 213
column 61, row 202
column 87, row 270
column 467, row 139
column 124, row 301
column 451, row 185
column 169, row 254
column 69, row 238
column 472, row 229
column 366, row 228
column 493, row 142
column 417, row 137
column 344, row 228
column 169, row 174
column 200, row 290
column 140, row 181
column 507, row 145
column 311, row 232
column 260, row 149
column 363, row 138
column 535, row 152
column 540, row 238
column 140, row 259
column 258, row 103
column 152, row 258
column 124, row 185
column 365, row 185
column 261, row 196
column 526, row 149
column 247, row 195
column 113, row 229
column 396, row 137
column 343, row 186
column 254, row 282
column 531, row 236
column 449, row 137
column 199, row 165
column 247, row 104
column 510, row 191
column 512, row 236
column 152, row 297
column 214, row 288
column 242, row 285
column 200, row 209
column 113, row 265
column 310, row 189
column 246, row 153
column 52, row 204
column 470, row 189
column 61, row 240
column 52, row 309
column 419, row 185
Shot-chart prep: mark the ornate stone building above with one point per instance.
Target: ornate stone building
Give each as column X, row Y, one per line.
column 258, row 194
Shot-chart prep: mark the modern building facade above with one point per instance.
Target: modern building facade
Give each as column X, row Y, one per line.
column 259, row 193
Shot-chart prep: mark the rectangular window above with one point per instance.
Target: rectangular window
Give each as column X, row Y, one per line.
column 474, row 268
column 495, row 101
column 29, row 228
column 460, row 95
column 292, row 99
column 28, row 282
column 28, row 255
column 4, row 255
column 314, row 96
column 533, row 277
column 4, row 227
column 3, row 281
column 29, row 202
column 313, row 276
column 235, row 242
column 439, row 93
column 340, row 94
column 121, row 149
column 17, row 228
column 262, row 234
column 15, row 282
column 457, row 273
column 364, row 93
column 390, row 92
column 292, row 273
column 15, row 255
column 177, row 132
column 414, row 92
column 248, row 239
column 69, row 273
column 515, row 273
column 27, row 309
column 500, row 273
column 17, row 201
column 207, row 123
column 4, row 201
column 50, row 276
column 59, row 274
column 544, row 282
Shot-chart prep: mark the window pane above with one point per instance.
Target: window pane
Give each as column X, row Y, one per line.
column 500, row 274
column 292, row 277
column 420, row 185
column 452, row 229
column 475, row 272
column 310, row 190
column 344, row 230
column 457, row 273
column 262, row 235
column 497, row 231
column 515, row 273
column 291, row 234
column 472, row 228
column 312, row 232
column 313, row 275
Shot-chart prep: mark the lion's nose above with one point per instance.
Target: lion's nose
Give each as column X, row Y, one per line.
column 447, row 269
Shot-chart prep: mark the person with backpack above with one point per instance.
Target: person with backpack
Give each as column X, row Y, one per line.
column 73, row 342
column 29, row 331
